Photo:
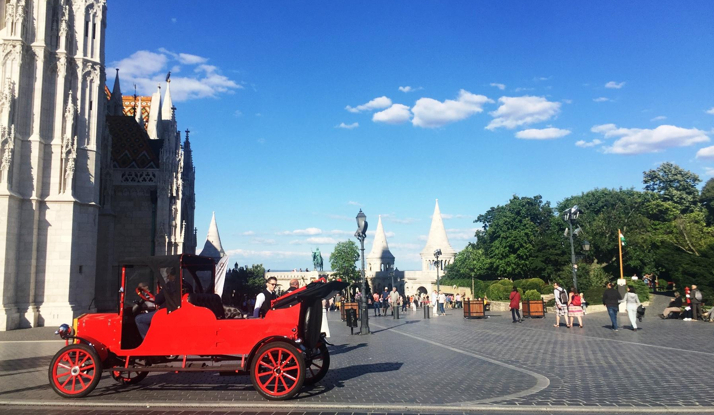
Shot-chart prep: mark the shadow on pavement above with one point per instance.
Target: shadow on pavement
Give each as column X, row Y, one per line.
column 344, row 348
column 25, row 363
column 394, row 327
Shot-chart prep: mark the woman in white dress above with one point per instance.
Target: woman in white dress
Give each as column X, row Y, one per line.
column 632, row 301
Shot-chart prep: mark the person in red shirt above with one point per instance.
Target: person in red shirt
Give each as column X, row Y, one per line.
column 375, row 304
column 515, row 305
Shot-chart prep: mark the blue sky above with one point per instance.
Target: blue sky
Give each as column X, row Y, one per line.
column 301, row 113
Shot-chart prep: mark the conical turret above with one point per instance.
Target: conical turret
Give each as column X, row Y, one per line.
column 116, row 105
column 437, row 240
column 166, row 112
column 213, row 248
column 380, row 249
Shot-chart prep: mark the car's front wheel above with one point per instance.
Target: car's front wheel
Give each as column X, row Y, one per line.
column 75, row 371
column 278, row 371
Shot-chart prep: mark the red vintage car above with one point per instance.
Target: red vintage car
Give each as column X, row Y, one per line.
column 281, row 351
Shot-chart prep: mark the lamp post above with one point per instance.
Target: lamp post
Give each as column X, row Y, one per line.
column 569, row 216
column 361, row 234
column 437, row 254
column 391, row 276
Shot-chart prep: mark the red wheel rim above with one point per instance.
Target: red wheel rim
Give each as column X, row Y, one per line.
column 74, row 371
column 278, row 371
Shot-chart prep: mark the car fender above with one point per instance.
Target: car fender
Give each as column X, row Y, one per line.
column 271, row 339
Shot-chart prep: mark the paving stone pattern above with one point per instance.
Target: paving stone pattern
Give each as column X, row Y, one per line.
column 441, row 361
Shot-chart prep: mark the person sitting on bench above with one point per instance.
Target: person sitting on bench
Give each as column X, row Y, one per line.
column 675, row 306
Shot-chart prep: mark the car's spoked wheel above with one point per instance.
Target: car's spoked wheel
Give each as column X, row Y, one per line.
column 75, row 371
column 317, row 365
column 128, row 378
column 278, row 371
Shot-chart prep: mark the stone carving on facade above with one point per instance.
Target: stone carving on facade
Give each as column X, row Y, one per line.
column 7, row 145
column 69, row 147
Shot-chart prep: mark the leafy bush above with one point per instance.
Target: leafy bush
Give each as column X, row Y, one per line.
column 532, row 295
column 594, row 295
column 550, row 303
column 642, row 290
column 498, row 292
column 547, row 289
column 534, row 284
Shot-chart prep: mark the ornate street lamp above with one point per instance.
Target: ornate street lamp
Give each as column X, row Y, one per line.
column 437, row 254
column 569, row 216
column 586, row 245
column 361, row 234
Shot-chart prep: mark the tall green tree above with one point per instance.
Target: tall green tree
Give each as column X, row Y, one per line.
column 519, row 239
column 674, row 184
column 469, row 263
column 343, row 260
column 706, row 198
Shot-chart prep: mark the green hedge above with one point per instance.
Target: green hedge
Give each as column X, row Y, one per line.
column 532, row 295
column 547, row 289
column 642, row 290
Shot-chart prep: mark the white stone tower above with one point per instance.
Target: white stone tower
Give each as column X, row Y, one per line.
column 380, row 259
column 437, row 240
column 213, row 248
column 52, row 107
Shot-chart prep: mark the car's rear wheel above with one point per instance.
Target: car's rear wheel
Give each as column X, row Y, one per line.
column 75, row 371
column 317, row 364
column 128, row 378
column 278, row 371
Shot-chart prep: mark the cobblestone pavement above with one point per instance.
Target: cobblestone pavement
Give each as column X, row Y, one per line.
column 411, row 365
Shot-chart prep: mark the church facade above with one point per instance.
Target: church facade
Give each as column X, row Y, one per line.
column 82, row 184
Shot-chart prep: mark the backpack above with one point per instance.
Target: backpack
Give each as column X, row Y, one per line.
column 576, row 300
column 698, row 295
column 563, row 297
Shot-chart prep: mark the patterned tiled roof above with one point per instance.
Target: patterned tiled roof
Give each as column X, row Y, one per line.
column 131, row 146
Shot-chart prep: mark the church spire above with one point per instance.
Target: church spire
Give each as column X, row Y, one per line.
column 116, row 103
column 166, row 107
column 213, row 248
column 154, row 129
column 380, row 249
column 437, row 236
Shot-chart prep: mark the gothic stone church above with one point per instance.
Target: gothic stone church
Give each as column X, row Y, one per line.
column 87, row 176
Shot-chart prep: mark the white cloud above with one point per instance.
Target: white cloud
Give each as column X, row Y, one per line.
column 409, row 89
column 499, row 86
column 709, row 171
column 347, row 126
column 147, row 69
column 542, row 134
column 375, row 104
column 541, row 78
column 396, row 114
column 706, row 153
column 248, row 233
column 341, row 232
column 710, row 111
column 237, row 113
column 308, row 231
column 601, row 99
column 353, row 203
column 659, row 118
column 586, row 144
column 392, row 218
column 263, row 241
column 567, row 101
column 640, row 140
column 315, row 240
column 614, row 85
column 520, row 89
column 260, row 141
column 408, row 246
column 452, row 216
column 188, row 59
column 516, row 111
column 461, row 234
column 430, row 113
column 173, row 20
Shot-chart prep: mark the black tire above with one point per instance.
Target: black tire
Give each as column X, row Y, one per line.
column 317, row 364
column 129, row 378
column 75, row 371
column 278, row 371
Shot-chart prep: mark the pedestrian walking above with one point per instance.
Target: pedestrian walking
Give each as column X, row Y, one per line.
column 442, row 300
column 696, row 297
column 632, row 301
column 561, row 304
column 575, row 308
column 515, row 305
column 375, row 304
column 611, row 299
